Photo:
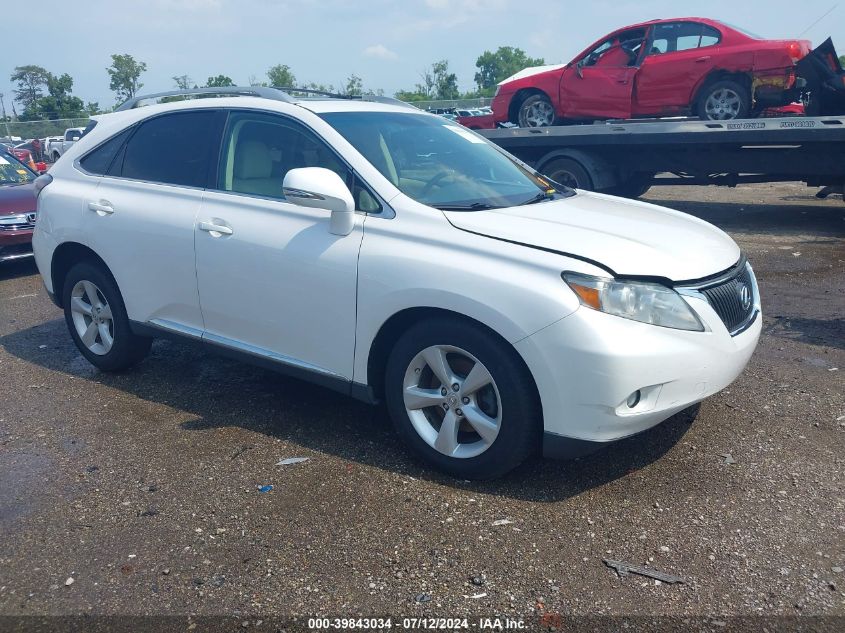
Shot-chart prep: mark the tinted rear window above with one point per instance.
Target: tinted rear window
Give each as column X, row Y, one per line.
column 100, row 159
column 177, row 149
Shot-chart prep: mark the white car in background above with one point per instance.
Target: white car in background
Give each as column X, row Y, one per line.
column 393, row 255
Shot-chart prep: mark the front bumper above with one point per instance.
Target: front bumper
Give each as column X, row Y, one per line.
column 15, row 245
column 588, row 364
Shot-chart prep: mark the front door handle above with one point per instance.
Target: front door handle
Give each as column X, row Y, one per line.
column 216, row 230
column 701, row 60
column 103, row 207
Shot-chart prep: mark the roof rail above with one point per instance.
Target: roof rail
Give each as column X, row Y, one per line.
column 245, row 91
column 333, row 95
column 275, row 93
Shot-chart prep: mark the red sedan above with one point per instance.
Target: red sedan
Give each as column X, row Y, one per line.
column 660, row 68
column 17, row 208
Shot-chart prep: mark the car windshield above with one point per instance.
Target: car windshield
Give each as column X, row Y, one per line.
column 438, row 163
column 13, row 172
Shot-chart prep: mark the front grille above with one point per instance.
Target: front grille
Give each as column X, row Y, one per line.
column 726, row 299
column 23, row 226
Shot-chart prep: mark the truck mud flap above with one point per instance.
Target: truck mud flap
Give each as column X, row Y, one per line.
column 825, row 78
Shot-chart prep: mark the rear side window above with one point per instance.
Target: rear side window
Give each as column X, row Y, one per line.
column 176, row 149
column 100, row 159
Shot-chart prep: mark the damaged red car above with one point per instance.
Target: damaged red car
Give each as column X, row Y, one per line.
column 682, row 66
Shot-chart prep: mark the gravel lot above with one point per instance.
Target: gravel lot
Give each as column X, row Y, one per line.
column 143, row 487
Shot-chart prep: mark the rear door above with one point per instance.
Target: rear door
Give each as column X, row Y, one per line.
column 680, row 55
column 141, row 220
column 600, row 84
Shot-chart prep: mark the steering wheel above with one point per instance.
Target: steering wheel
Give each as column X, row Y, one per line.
column 435, row 181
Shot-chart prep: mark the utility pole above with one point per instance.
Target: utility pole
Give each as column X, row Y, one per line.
column 5, row 122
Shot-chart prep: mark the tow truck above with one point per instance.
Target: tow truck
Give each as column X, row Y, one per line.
column 626, row 158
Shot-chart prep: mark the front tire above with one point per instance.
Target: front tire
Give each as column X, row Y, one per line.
column 536, row 111
column 724, row 100
column 569, row 173
column 461, row 399
column 97, row 320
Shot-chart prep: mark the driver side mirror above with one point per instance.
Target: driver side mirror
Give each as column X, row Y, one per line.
column 320, row 188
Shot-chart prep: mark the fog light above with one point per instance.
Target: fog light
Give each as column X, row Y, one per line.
column 634, row 399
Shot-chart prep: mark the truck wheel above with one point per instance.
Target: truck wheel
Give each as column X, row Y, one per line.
column 54, row 157
column 723, row 101
column 461, row 399
column 536, row 111
column 97, row 320
column 569, row 173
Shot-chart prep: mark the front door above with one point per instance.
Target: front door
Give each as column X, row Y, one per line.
column 273, row 281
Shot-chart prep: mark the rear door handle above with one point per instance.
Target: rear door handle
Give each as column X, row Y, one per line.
column 103, row 207
column 219, row 229
column 701, row 60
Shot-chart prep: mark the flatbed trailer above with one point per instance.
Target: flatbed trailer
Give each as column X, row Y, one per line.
column 627, row 157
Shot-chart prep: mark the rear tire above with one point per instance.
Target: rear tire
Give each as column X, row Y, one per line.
column 569, row 173
column 486, row 430
column 723, row 100
column 536, row 111
column 97, row 320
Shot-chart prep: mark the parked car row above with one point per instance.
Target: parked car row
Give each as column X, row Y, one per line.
column 684, row 66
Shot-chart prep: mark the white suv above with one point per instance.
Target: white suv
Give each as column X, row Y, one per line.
column 393, row 255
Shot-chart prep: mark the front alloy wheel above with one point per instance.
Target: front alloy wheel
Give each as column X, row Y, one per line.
column 452, row 401
column 462, row 399
column 536, row 111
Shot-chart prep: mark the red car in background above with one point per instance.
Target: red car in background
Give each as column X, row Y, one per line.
column 671, row 67
column 17, row 208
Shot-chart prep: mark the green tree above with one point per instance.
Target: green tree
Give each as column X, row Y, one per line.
column 354, row 85
column 501, row 64
column 220, row 81
column 842, row 59
column 31, row 81
column 445, row 83
column 59, row 103
column 92, row 107
column 281, row 75
column 125, row 73
column 183, row 82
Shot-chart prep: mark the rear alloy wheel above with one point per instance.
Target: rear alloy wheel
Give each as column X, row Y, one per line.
column 724, row 101
column 96, row 318
column 461, row 399
column 536, row 111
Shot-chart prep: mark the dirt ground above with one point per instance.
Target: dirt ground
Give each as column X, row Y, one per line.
column 143, row 487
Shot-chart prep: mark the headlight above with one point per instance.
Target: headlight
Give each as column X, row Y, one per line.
column 644, row 302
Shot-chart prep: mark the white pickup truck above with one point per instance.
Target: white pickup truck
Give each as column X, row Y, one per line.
column 58, row 146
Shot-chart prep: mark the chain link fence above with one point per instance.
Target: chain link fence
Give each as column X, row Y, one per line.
column 26, row 130
column 467, row 104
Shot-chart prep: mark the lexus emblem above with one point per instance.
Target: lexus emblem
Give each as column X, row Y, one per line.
column 744, row 296
column 30, row 217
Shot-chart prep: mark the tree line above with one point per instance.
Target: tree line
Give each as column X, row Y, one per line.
column 43, row 95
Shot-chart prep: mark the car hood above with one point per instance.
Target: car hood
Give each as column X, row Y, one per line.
column 17, row 198
column 628, row 237
column 530, row 72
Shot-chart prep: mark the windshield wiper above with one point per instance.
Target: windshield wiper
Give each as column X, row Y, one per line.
column 540, row 197
column 475, row 206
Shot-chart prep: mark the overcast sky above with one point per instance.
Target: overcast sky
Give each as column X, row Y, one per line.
column 387, row 42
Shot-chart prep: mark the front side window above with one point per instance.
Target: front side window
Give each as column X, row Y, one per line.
column 175, row 148
column 259, row 150
column 439, row 163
